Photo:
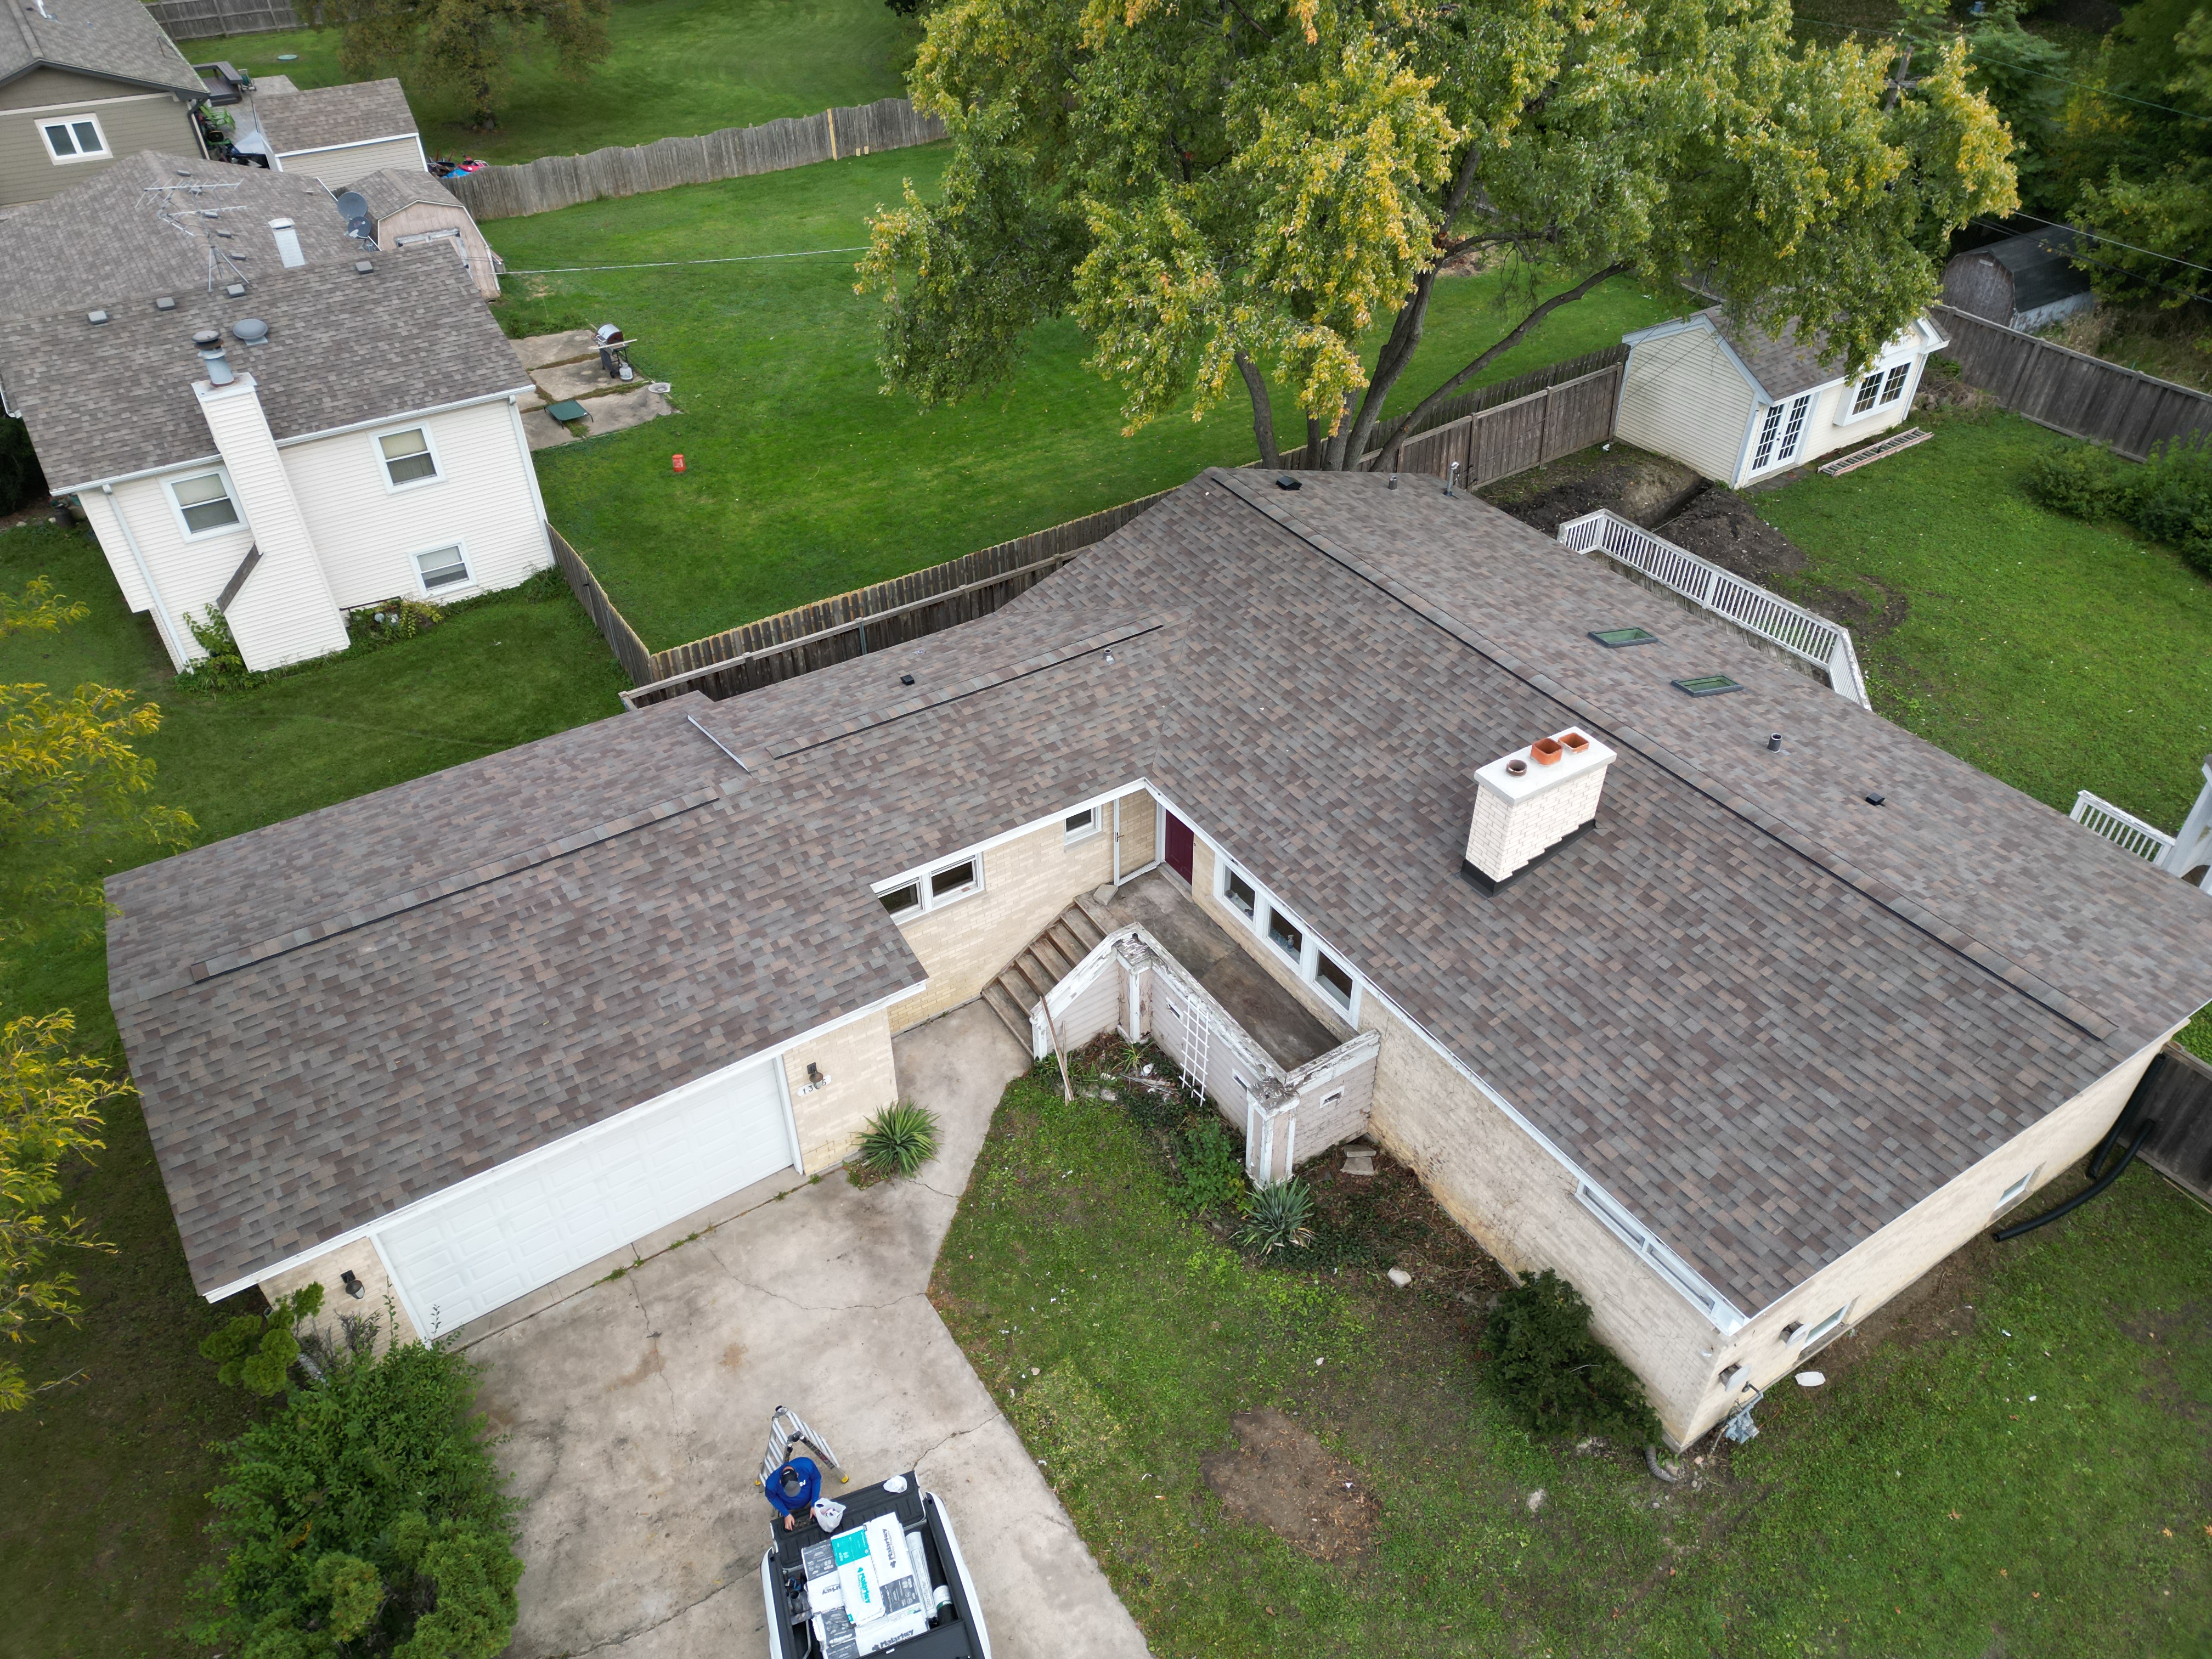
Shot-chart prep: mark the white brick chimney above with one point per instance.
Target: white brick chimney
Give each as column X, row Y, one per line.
column 1527, row 802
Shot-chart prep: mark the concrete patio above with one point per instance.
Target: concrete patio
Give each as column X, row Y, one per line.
column 636, row 1408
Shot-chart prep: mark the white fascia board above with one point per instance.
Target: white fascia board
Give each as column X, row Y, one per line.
column 978, row 848
column 212, row 459
column 1661, row 331
column 351, row 143
column 566, row 1143
column 1757, row 391
column 1725, row 1316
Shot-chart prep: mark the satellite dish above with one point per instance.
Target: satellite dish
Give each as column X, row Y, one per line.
column 353, row 208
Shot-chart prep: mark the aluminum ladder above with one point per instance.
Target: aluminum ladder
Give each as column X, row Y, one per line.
column 787, row 1429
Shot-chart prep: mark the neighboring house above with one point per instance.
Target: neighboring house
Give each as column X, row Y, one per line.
column 409, row 208
column 82, row 83
column 1740, row 405
column 314, row 442
column 2027, row 281
column 1741, row 1039
column 335, row 134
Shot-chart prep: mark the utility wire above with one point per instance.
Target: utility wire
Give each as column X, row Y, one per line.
column 2078, row 230
column 665, row 265
column 2102, row 264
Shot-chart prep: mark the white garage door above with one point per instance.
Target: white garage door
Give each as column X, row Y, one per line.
column 517, row 1232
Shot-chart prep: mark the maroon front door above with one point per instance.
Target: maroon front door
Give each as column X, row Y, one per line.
column 1179, row 846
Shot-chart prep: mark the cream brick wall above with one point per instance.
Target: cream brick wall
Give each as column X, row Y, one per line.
column 328, row 1269
column 1139, row 830
column 1233, row 923
column 1868, row 1275
column 1026, row 882
column 861, row 1080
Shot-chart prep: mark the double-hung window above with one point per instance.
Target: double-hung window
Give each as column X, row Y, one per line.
column 407, row 456
column 940, row 886
column 75, row 138
column 204, row 504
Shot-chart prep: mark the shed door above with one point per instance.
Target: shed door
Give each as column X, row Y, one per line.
column 458, row 1260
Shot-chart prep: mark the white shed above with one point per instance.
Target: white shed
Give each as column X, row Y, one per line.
column 1740, row 405
column 335, row 134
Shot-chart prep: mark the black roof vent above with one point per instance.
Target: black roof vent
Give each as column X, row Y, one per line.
column 1286, row 481
column 906, row 679
column 249, row 330
column 1875, row 800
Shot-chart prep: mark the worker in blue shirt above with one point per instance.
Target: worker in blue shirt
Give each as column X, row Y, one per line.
column 793, row 1489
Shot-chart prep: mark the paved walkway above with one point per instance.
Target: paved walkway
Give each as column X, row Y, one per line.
column 637, row 1410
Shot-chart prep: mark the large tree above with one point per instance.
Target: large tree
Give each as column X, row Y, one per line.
column 468, row 46
column 1222, row 191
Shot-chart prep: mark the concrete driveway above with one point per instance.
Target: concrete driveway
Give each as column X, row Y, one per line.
column 636, row 1410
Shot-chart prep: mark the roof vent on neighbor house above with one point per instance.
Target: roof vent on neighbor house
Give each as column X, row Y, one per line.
column 95, row 318
column 249, row 330
column 165, row 303
column 1530, row 801
column 210, row 343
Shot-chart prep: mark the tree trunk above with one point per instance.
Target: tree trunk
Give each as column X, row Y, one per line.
column 1263, row 412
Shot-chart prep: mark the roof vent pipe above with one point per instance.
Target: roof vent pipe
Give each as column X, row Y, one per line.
column 211, row 354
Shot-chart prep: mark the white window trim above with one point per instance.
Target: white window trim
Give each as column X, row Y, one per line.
column 1662, row 1261
column 1266, row 904
column 1844, row 415
column 384, row 469
column 177, row 507
column 1821, row 1332
column 443, row 595
column 103, row 153
column 2019, row 1190
column 1068, row 837
column 921, row 881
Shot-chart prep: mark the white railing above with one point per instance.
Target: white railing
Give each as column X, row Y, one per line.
column 1802, row 632
column 2123, row 830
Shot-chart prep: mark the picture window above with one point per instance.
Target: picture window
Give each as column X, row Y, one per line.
column 1286, row 935
column 204, row 503
column 76, row 138
column 1240, row 897
column 442, row 567
column 407, row 456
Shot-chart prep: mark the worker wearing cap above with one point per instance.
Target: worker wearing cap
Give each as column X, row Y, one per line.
column 793, row 1489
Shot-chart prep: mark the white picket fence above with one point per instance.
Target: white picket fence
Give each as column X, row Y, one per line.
column 2123, row 830
column 1802, row 632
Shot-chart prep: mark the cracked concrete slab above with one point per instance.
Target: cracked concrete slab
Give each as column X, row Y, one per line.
column 636, row 1409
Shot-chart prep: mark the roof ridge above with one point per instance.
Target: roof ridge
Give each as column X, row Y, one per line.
column 1913, row 913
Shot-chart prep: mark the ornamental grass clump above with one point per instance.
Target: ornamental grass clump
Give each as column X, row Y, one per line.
column 1553, row 1372
column 897, row 1141
column 1277, row 1216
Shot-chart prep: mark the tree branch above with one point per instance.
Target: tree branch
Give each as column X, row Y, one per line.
column 1400, row 431
column 1263, row 412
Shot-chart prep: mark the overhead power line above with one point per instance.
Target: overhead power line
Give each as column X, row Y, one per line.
column 667, row 265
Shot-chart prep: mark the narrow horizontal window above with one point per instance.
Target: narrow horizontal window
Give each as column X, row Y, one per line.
column 952, row 881
column 1333, row 977
column 2018, row 1190
column 205, row 503
column 407, row 458
column 1603, row 1208
column 1287, row 936
column 442, row 567
column 1240, row 895
column 1807, row 1339
column 1665, row 1261
column 904, row 900
column 1080, row 825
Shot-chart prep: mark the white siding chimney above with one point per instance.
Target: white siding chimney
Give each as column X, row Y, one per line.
column 284, row 613
column 1527, row 802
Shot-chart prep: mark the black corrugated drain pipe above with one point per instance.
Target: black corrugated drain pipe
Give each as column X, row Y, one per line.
column 2097, row 1184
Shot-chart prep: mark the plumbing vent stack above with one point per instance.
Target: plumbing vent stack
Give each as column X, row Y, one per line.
column 1524, row 806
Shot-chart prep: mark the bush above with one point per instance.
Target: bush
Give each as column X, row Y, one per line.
column 1554, row 1376
column 391, row 619
column 21, row 482
column 1210, row 1166
column 367, row 1513
column 2080, row 480
column 2168, row 498
column 897, row 1141
column 224, row 667
column 1278, row 1217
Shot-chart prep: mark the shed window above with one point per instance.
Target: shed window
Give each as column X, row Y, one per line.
column 1081, row 824
column 1882, row 386
column 407, row 456
column 1238, row 891
column 1333, row 977
column 78, row 138
column 1286, row 934
column 443, row 567
column 204, row 503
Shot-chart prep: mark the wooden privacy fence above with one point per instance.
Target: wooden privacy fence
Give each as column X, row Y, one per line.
column 614, row 628
column 2070, row 392
column 200, row 19
column 1512, row 436
column 867, row 619
column 560, row 181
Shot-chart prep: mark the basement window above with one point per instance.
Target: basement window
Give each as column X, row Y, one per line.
column 1240, row 894
column 204, row 504
column 75, row 138
column 1334, row 978
column 442, row 567
column 2018, row 1190
column 1809, row 1339
column 1080, row 825
column 407, row 456
column 1285, row 934
column 1707, row 686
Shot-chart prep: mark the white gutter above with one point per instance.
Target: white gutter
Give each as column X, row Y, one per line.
column 350, row 143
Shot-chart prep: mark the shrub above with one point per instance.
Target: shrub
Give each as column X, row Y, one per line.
column 898, row 1140
column 224, row 667
column 2080, row 480
column 256, row 1352
column 367, row 1513
column 1554, row 1375
column 390, row 620
column 1210, row 1167
column 1278, row 1217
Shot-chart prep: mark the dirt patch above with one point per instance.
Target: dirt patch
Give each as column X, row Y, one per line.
column 1721, row 525
column 1387, row 1219
column 1281, row 1478
column 1643, row 488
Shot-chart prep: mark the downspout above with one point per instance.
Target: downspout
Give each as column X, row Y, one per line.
column 160, row 606
column 1117, row 841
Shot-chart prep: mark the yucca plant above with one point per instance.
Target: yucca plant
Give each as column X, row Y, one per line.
column 898, row 1140
column 1277, row 1217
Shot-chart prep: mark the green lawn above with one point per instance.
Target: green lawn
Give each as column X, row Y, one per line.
column 802, row 478
column 1919, row 1504
column 2055, row 655
column 101, row 1486
column 678, row 67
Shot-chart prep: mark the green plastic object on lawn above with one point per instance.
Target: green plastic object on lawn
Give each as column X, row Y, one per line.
column 567, row 410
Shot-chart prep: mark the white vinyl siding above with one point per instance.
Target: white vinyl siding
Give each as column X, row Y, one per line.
column 340, row 166
column 1683, row 396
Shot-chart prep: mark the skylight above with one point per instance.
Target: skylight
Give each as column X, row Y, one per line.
column 1613, row 638
column 1707, row 686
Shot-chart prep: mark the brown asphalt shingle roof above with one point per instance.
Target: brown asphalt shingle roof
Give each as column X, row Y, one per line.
column 1765, row 1016
column 118, row 39
column 321, row 117
column 1783, row 365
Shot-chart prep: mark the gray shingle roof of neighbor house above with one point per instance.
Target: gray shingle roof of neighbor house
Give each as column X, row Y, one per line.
column 118, row 39
column 390, row 190
column 105, row 400
column 1764, row 1015
column 139, row 230
column 322, row 116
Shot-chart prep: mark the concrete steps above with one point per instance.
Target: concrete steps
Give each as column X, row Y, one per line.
column 1044, row 962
